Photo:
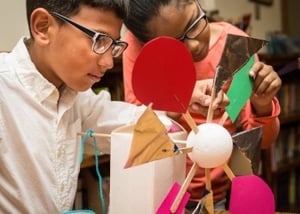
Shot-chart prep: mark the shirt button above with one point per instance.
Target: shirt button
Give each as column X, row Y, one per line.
column 59, row 153
column 62, row 187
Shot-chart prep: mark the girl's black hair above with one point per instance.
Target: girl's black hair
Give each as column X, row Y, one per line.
column 140, row 13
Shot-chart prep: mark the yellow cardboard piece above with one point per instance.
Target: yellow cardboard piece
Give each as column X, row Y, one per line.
column 150, row 140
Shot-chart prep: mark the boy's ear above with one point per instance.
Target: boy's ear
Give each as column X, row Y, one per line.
column 40, row 24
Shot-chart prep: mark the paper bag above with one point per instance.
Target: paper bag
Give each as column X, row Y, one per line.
column 141, row 189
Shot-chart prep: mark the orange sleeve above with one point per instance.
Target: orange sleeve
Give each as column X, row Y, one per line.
column 129, row 58
column 271, row 125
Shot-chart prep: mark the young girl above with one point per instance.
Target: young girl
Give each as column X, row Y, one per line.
column 186, row 21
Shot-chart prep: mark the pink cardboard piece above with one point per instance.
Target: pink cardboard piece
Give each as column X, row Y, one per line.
column 164, row 75
column 250, row 194
column 165, row 206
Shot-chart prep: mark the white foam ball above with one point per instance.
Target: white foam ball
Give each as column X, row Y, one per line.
column 212, row 145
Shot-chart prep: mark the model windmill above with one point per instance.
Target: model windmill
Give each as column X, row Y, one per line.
column 164, row 64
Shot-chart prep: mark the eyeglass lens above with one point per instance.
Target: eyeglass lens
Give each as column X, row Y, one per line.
column 103, row 43
column 198, row 25
column 197, row 29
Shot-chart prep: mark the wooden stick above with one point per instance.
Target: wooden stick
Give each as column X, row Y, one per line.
column 183, row 188
column 223, row 118
column 209, row 119
column 187, row 116
column 207, row 178
column 180, row 142
column 186, row 150
column 210, row 112
column 195, row 166
column 192, row 171
column 228, row 171
column 95, row 134
column 209, row 201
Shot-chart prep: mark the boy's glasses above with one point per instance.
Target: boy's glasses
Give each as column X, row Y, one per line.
column 197, row 27
column 101, row 41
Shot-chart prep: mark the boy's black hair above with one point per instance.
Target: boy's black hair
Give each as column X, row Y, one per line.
column 72, row 7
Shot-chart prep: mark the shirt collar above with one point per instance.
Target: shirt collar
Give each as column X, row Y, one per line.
column 40, row 88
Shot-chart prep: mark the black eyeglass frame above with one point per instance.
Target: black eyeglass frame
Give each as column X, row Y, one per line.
column 94, row 35
column 202, row 16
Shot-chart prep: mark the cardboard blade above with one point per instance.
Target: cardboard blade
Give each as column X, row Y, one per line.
column 238, row 97
column 250, row 194
column 166, row 204
column 150, row 141
column 249, row 144
column 237, row 51
column 164, row 75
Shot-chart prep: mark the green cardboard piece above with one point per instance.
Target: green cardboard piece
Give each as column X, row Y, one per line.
column 240, row 90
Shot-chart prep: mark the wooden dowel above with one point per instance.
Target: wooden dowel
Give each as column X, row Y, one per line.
column 187, row 116
column 179, row 142
column 209, row 202
column 228, row 171
column 183, row 188
column 210, row 112
column 95, row 134
column 223, row 118
column 186, row 150
column 207, row 178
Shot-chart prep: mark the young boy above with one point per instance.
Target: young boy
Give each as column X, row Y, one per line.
column 45, row 100
column 186, row 21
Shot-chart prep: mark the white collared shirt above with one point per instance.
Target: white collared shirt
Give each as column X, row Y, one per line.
column 39, row 147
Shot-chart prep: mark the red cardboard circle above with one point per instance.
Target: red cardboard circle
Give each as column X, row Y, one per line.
column 164, row 75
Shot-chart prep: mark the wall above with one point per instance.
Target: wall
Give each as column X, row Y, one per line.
column 12, row 23
column 269, row 16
